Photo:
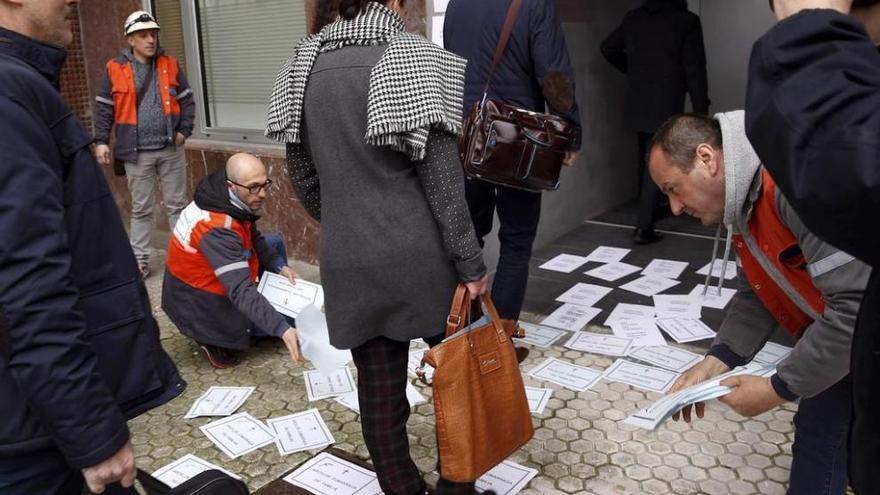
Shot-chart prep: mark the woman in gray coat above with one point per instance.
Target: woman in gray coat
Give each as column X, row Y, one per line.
column 370, row 115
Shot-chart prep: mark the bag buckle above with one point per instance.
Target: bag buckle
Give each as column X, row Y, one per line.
column 454, row 320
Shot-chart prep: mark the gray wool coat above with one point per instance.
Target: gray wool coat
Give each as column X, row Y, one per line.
column 396, row 235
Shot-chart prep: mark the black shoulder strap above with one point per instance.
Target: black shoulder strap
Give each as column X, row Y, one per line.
column 509, row 21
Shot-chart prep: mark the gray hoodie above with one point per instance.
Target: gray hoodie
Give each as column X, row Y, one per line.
column 821, row 356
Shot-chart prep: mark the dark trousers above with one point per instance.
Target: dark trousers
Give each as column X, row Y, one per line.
column 649, row 193
column 819, row 453
column 45, row 472
column 518, row 213
column 382, row 376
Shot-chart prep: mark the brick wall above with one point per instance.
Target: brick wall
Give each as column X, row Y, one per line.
column 75, row 79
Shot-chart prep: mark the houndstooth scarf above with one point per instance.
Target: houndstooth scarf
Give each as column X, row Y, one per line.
column 415, row 86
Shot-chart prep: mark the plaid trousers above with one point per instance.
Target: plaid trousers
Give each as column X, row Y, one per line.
column 382, row 376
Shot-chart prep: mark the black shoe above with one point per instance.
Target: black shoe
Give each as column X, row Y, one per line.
column 219, row 357
column 521, row 353
column 646, row 236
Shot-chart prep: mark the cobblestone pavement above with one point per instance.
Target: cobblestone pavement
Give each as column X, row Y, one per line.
column 580, row 444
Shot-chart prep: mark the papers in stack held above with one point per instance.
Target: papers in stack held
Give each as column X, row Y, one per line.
column 655, row 414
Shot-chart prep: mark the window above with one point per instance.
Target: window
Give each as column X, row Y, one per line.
column 231, row 51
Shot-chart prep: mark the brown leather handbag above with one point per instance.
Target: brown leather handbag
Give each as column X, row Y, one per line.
column 479, row 399
column 509, row 146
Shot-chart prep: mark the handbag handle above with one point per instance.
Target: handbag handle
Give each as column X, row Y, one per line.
column 506, row 30
column 152, row 485
column 459, row 313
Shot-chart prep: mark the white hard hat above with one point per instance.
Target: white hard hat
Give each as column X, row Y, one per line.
column 139, row 21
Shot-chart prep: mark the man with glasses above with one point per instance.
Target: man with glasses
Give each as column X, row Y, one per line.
column 214, row 258
column 145, row 94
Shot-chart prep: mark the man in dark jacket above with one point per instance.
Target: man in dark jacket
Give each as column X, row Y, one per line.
column 659, row 46
column 82, row 352
column 813, row 115
column 536, row 54
column 214, row 257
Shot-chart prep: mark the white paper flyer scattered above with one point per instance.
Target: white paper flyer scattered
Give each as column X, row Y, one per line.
column 667, row 357
column 665, row 268
column 540, row 336
column 653, row 415
column 415, row 361
column 607, row 254
column 648, row 286
column 289, row 299
column 686, row 330
column 238, row 434
column 413, row 396
column 565, row 263
column 642, row 332
column 186, row 467
column 571, row 317
column 566, row 374
column 538, row 398
column 599, row 343
column 678, row 306
column 612, row 271
column 729, row 272
column 507, row 478
column 326, row 474
column 772, row 353
column 584, row 294
column 320, row 386
column 300, row 431
column 712, row 299
column 640, row 376
column 219, row 401
column 626, row 311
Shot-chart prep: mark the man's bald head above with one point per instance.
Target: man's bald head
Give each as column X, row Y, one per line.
column 248, row 178
column 242, row 166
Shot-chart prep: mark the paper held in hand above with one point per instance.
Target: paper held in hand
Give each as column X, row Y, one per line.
column 655, row 414
column 289, row 299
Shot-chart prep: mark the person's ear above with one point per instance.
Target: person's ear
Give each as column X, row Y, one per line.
column 707, row 158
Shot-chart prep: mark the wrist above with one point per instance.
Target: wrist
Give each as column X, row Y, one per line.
column 714, row 365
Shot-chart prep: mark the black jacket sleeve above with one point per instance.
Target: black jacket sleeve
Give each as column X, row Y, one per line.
column 187, row 104
column 47, row 353
column 694, row 61
column 613, row 48
column 813, row 116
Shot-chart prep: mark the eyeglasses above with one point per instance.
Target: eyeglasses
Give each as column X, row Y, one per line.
column 141, row 18
column 256, row 188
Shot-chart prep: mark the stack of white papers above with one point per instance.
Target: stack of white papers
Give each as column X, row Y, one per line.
column 686, row 330
column 321, row 386
column 540, row 336
column 712, row 299
column 729, row 270
column 653, row 415
column 238, row 434
column 607, row 254
column 599, row 343
column 665, row 268
column 565, row 263
column 289, row 299
column 678, row 306
column 183, row 469
column 772, row 354
column 219, row 401
column 568, row 375
column 649, row 285
column 571, row 317
column 300, row 431
column 640, row 376
column 626, row 311
column 584, row 294
column 612, row 271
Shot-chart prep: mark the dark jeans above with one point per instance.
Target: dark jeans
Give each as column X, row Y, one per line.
column 819, row 453
column 518, row 213
column 649, row 193
column 382, row 376
column 45, row 473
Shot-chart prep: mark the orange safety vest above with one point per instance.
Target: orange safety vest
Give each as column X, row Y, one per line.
column 188, row 264
column 125, row 91
column 775, row 239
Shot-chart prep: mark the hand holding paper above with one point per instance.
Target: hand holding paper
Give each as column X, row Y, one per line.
column 708, row 368
column 751, row 396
